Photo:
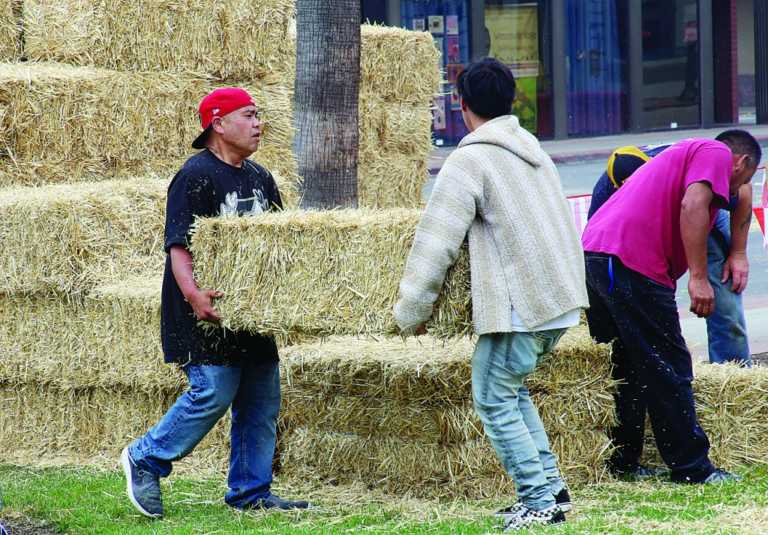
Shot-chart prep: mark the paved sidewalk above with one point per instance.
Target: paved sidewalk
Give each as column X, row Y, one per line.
column 591, row 148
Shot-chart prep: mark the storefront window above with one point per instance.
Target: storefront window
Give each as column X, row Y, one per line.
column 671, row 92
column 597, row 67
column 518, row 34
column 448, row 22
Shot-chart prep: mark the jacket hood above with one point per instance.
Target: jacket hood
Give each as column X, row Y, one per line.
column 506, row 132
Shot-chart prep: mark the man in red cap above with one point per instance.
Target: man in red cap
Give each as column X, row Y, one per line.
column 224, row 368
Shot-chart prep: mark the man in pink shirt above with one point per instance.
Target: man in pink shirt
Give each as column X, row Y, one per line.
column 644, row 238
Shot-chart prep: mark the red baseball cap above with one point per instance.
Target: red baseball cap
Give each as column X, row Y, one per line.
column 219, row 103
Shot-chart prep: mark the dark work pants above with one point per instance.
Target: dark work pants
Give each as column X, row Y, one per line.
column 651, row 358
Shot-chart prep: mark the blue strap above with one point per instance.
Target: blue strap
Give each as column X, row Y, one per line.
column 610, row 274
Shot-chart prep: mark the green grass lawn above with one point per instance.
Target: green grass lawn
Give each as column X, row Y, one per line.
column 80, row 500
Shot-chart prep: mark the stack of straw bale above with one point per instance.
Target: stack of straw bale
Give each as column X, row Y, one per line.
column 67, row 124
column 327, row 273
column 87, row 375
column 67, row 238
column 399, row 78
column 399, row 415
column 225, row 39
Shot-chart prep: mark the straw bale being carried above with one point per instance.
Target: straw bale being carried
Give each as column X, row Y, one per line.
column 228, row 39
column 319, row 273
column 66, row 238
column 67, row 124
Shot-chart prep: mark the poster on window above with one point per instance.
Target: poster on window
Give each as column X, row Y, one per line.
column 419, row 25
column 514, row 34
column 453, row 52
column 455, row 100
column 436, row 24
column 525, row 105
column 452, row 24
column 438, row 122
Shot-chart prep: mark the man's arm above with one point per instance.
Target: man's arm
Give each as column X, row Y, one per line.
column 200, row 300
column 694, row 229
column 436, row 245
column 736, row 265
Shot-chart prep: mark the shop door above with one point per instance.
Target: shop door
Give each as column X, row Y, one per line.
column 671, row 95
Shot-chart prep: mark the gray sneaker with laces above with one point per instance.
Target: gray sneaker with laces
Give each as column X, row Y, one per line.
column 143, row 487
column 720, row 476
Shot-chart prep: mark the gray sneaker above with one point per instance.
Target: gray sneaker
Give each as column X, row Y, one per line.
column 143, row 487
column 720, row 476
column 274, row 501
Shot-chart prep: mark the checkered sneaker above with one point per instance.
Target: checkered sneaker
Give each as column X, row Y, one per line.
column 530, row 517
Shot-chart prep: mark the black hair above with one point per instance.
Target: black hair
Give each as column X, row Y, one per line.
column 487, row 87
column 742, row 142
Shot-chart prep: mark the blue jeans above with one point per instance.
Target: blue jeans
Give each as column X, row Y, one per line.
column 500, row 364
column 726, row 327
column 253, row 392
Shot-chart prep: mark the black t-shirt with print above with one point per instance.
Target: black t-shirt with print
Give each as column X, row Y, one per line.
column 205, row 187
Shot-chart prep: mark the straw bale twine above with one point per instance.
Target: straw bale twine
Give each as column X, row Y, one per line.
column 467, row 470
column 227, row 39
column 319, row 273
column 67, row 124
column 66, row 238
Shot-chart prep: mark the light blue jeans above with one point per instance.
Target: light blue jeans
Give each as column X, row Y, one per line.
column 726, row 327
column 500, row 364
column 253, row 392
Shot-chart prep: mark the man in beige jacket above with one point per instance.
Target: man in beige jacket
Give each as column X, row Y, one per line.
column 500, row 190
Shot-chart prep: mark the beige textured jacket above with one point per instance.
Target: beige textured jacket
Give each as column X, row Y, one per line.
column 501, row 189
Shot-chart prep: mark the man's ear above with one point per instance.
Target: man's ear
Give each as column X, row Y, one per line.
column 216, row 125
column 463, row 104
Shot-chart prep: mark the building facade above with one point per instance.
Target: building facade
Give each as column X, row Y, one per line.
column 601, row 67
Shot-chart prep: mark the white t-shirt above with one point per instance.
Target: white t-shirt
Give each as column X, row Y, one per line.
column 569, row 319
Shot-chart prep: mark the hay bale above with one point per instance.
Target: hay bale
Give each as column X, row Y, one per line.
column 468, row 470
column 227, row 39
column 41, row 425
column 319, row 273
column 444, row 423
column 67, row 238
column 429, row 371
column 395, row 143
column 68, row 124
column 399, row 65
column 10, row 30
column 730, row 404
column 110, row 339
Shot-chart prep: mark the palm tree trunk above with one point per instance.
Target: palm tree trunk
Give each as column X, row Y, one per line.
column 326, row 101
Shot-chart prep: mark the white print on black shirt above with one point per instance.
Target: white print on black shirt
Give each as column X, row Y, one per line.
column 247, row 206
